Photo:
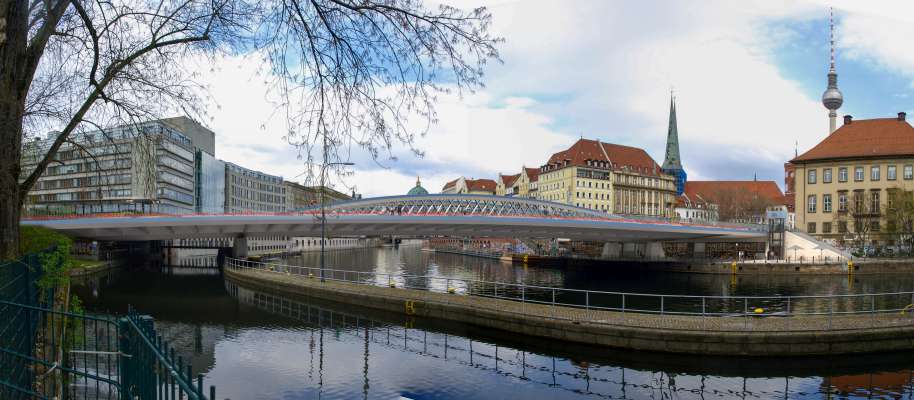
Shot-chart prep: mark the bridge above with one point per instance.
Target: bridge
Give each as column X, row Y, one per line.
column 427, row 215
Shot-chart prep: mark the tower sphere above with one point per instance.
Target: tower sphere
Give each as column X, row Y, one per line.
column 832, row 98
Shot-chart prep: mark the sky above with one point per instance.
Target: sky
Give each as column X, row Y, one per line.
column 748, row 78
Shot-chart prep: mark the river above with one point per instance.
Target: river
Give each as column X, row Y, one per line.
column 253, row 345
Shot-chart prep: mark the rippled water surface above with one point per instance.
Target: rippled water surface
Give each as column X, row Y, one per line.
column 255, row 345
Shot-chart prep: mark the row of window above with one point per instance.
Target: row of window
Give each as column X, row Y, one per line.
column 242, row 206
column 86, row 195
column 327, row 242
column 643, row 181
column 598, row 207
column 257, row 196
column 92, row 180
column 841, row 226
column 859, row 174
column 104, row 165
column 859, row 205
column 591, row 174
column 590, row 195
column 253, row 184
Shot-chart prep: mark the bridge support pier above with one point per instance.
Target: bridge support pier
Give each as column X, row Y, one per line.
column 631, row 250
column 611, row 250
column 240, row 247
column 698, row 250
column 654, row 250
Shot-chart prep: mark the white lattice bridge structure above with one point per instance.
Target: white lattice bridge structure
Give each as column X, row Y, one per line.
column 428, row 215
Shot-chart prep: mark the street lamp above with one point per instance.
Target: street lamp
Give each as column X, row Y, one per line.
column 323, row 210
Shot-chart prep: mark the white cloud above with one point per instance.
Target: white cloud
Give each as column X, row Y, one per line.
column 884, row 41
column 601, row 69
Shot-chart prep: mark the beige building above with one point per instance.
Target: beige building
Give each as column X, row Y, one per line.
column 843, row 185
column 299, row 197
column 528, row 183
column 506, row 185
column 607, row 177
column 523, row 184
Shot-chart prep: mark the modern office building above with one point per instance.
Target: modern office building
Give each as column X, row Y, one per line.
column 143, row 167
column 210, row 183
column 247, row 190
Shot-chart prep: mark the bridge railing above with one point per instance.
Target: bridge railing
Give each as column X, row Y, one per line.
column 53, row 216
column 808, row 312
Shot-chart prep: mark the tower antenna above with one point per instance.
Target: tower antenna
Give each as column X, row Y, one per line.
column 831, row 37
column 832, row 98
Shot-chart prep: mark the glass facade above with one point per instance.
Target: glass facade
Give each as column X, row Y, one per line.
column 210, row 183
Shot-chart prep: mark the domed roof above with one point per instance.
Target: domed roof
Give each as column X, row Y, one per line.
column 418, row 190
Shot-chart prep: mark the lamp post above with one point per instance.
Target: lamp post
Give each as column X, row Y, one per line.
column 323, row 210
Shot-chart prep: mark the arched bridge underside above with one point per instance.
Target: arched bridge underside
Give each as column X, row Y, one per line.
column 431, row 215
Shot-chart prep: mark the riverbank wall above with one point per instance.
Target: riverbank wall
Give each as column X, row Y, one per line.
column 860, row 267
column 758, row 336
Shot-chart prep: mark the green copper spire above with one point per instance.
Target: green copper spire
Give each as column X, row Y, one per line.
column 671, row 161
column 672, row 165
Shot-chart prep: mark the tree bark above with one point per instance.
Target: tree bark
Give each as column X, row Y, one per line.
column 10, row 198
column 13, row 89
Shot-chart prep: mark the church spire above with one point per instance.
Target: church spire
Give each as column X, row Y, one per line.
column 672, row 165
column 671, row 161
column 832, row 98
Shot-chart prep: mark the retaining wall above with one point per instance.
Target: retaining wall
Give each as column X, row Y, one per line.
column 660, row 333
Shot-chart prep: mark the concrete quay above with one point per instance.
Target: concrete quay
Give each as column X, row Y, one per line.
column 723, row 336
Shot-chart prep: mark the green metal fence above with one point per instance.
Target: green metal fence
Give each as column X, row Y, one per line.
column 51, row 354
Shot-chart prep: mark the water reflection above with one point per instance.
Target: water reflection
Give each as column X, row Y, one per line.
column 413, row 261
column 497, row 370
column 255, row 345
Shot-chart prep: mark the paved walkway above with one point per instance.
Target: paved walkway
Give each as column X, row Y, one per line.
column 740, row 323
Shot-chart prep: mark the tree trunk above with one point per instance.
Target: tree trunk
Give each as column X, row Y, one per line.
column 10, row 199
column 14, row 85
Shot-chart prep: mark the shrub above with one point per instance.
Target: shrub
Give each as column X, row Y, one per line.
column 55, row 264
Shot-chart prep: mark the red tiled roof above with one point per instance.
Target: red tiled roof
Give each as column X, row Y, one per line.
column 881, row 137
column 694, row 201
column 620, row 156
column 508, row 180
column 789, row 198
column 533, row 174
column 450, row 184
column 710, row 190
column 480, row 185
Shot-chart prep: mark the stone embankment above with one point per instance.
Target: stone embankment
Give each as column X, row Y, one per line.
column 739, row 335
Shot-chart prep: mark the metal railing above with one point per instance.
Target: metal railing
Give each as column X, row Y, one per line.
column 805, row 312
column 388, row 206
column 46, row 353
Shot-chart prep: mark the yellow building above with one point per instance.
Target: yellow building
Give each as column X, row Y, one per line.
column 607, row 177
column 844, row 184
column 528, row 182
